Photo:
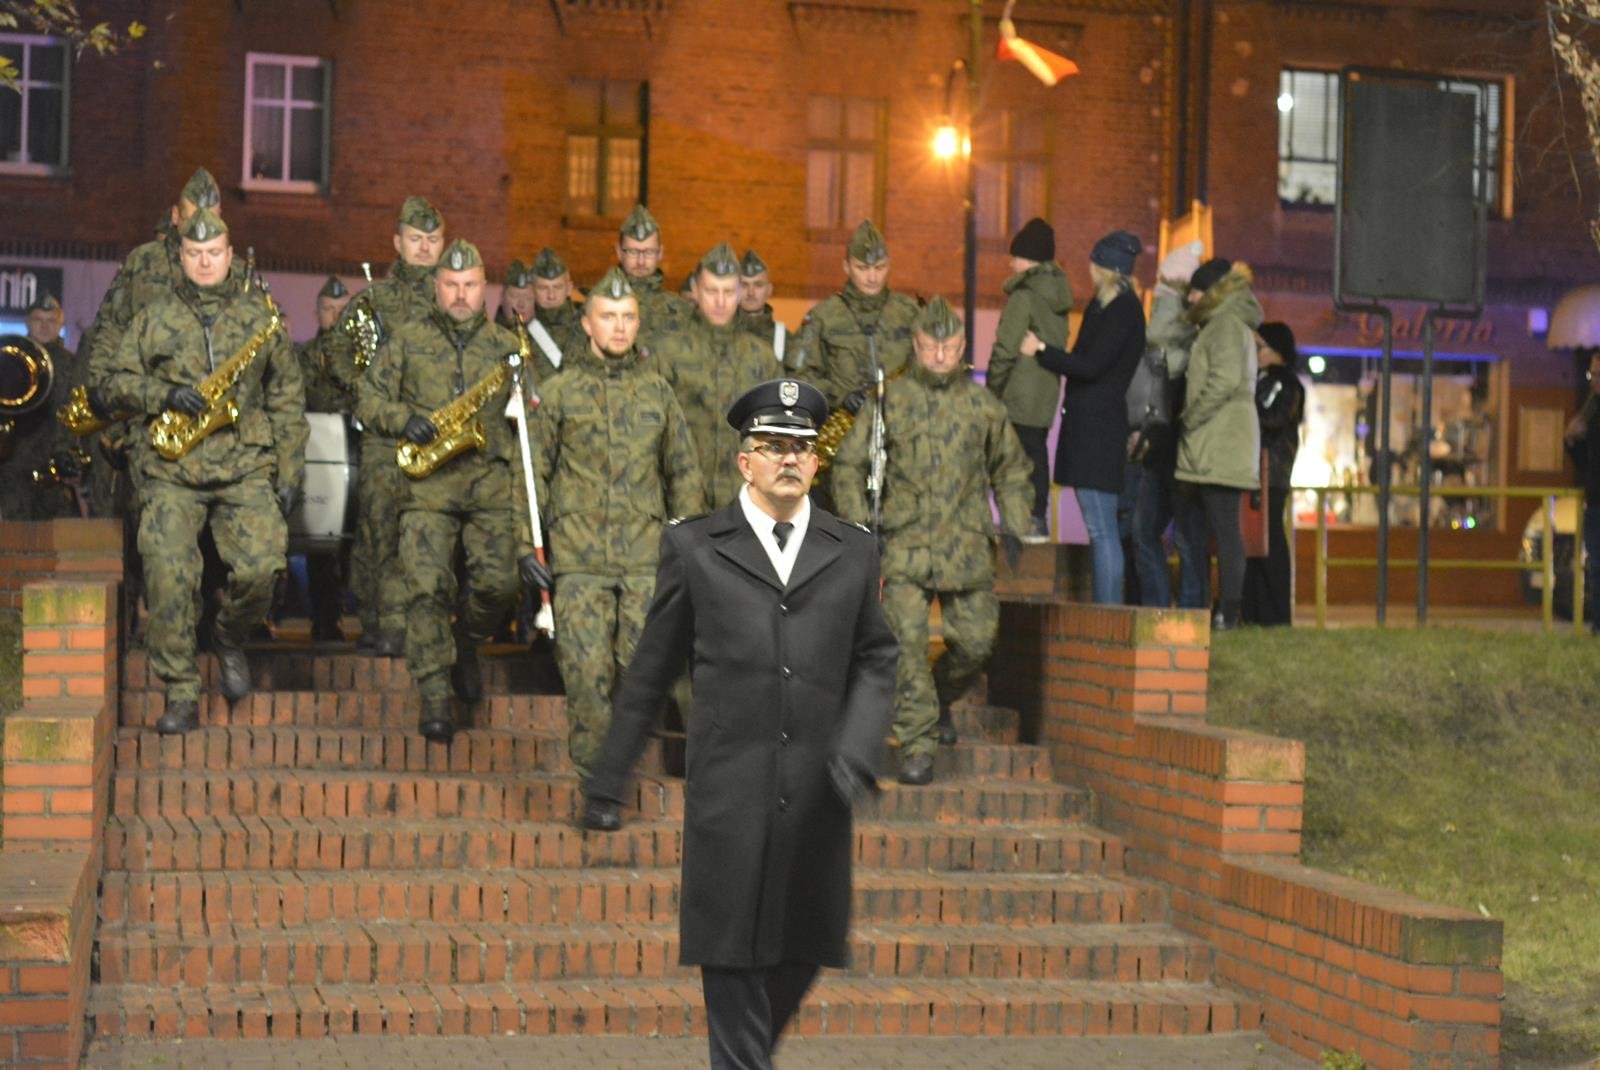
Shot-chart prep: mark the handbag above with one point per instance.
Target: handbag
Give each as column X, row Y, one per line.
column 1149, row 408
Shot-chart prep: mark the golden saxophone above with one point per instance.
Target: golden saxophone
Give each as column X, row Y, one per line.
column 362, row 324
column 830, row 436
column 459, row 428
column 174, row 434
column 77, row 417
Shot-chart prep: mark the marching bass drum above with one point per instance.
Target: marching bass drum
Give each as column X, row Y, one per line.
column 325, row 518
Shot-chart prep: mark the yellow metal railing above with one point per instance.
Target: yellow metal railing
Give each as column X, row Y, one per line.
column 1546, row 563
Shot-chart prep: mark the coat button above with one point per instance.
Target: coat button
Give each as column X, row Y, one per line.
column 783, row 738
column 783, row 802
column 787, row 672
column 783, row 607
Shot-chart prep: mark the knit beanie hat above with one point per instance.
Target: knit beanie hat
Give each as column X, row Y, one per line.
column 1035, row 241
column 1210, row 273
column 1117, row 251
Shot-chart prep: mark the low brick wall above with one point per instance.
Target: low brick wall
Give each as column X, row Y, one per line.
column 1118, row 695
column 85, row 550
column 57, row 753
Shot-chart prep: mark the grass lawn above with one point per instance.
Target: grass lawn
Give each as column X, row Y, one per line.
column 1460, row 766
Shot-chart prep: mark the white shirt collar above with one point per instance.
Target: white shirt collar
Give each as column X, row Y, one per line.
column 782, row 560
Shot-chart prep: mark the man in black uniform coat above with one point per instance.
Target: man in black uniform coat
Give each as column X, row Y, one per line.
column 772, row 604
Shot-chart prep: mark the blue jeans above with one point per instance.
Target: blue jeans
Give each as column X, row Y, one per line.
column 1152, row 512
column 1099, row 509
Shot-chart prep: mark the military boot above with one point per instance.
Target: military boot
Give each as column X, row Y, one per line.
column 946, row 728
column 182, row 715
column 233, row 667
column 436, row 725
column 466, row 675
column 917, row 770
column 389, row 645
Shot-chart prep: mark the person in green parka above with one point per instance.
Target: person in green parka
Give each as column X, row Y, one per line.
column 1038, row 298
column 1219, row 439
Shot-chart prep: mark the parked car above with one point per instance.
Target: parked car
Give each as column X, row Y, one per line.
column 1532, row 553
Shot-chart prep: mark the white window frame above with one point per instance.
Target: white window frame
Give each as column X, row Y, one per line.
column 289, row 63
column 29, row 42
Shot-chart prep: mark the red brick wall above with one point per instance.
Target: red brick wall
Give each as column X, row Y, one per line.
column 56, row 777
column 46, row 549
column 1118, row 696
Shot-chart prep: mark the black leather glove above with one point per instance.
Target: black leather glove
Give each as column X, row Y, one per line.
column 535, row 573
column 602, row 815
column 854, row 400
column 66, row 465
column 98, row 406
column 288, row 498
column 419, row 430
column 185, row 400
column 1011, row 546
column 849, row 783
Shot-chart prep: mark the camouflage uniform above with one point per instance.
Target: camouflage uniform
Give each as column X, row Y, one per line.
column 709, row 368
column 660, row 309
column 227, row 481
column 35, row 439
column 832, row 351
column 477, row 497
column 614, row 461
column 324, row 391
column 376, row 577
column 762, row 324
column 948, row 443
column 540, row 366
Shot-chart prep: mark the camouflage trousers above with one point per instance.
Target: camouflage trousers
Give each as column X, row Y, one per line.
column 598, row 621
column 251, row 538
column 376, row 575
column 971, row 621
column 487, row 535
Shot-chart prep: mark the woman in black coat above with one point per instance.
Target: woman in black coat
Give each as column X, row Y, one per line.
column 1092, row 445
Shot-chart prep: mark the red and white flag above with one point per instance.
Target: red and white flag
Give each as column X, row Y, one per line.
column 1045, row 65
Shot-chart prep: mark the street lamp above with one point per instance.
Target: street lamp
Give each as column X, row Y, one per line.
column 948, row 142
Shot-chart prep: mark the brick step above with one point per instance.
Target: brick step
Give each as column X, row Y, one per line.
column 184, row 900
column 477, row 750
column 543, row 714
column 213, row 843
column 527, row 796
column 412, row 951
column 836, row 1006
column 281, row 667
column 975, row 721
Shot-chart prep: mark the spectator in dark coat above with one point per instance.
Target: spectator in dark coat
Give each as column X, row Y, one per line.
column 1280, row 406
column 1583, row 444
column 1092, row 445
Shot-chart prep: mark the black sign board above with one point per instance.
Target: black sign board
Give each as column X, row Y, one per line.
column 23, row 284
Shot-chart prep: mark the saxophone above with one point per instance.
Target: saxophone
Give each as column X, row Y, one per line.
column 362, row 324
column 459, row 428
column 78, row 418
column 174, row 434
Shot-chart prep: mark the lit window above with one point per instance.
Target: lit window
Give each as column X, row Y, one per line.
column 846, row 149
column 33, row 118
column 286, row 122
column 605, row 146
column 1013, row 154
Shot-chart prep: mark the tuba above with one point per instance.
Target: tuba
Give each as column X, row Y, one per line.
column 362, row 324
column 26, row 375
column 459, row 428
column 174, row 435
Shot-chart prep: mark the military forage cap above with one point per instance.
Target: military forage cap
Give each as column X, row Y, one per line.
column 752, row 265
column 417, row 212
column 721, row 261
column 334, row 288
column 867, row 244
column 201, row 190
column 780, row 407
column 45, row 302
column 613, row 285
column 204, row 225
column 460, row 255
column 518, row 275
column 938, row 320
column 548, row 264
column 640, row 224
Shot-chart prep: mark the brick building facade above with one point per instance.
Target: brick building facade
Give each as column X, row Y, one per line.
column 777, row 123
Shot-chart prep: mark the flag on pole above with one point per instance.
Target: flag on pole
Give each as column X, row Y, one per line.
column 1044, row 64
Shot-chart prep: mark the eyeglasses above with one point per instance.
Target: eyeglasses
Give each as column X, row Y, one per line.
column 640, row 254
column 799, row 448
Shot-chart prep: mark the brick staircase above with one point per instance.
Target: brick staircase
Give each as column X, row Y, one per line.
column 305, row 865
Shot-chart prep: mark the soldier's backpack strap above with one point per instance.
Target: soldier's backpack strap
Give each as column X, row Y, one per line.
column 780, row 335
column 546, row 344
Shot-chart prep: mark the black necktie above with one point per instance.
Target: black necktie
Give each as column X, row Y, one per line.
column 780, row 531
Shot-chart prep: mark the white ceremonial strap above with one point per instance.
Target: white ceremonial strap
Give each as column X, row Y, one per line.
column 780, row 335
column 546, row 344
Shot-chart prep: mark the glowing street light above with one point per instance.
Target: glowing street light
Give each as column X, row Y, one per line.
column 946, row 141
